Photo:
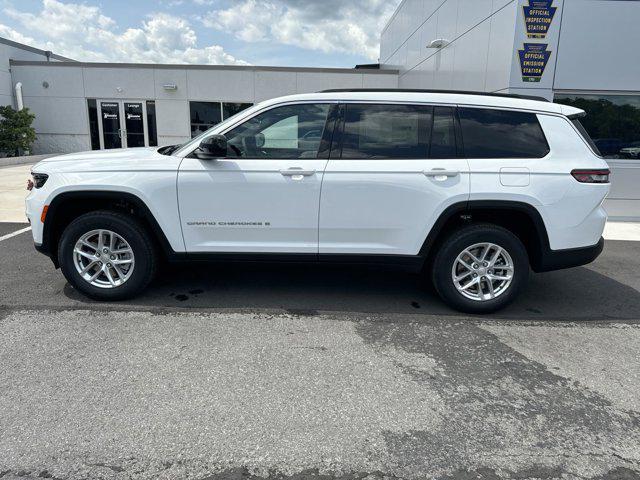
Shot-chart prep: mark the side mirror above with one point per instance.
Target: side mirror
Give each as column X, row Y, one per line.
column 212, row 147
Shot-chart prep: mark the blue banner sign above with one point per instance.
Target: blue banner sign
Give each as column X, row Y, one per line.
column 533, row 60
column 538, row 16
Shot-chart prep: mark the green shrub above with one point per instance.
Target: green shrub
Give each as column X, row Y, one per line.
column 16, row 132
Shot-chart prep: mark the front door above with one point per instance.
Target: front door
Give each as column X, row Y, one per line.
column 264, row 195
column 122, row 124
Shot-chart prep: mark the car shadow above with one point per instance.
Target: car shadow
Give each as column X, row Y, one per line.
column 574, row 294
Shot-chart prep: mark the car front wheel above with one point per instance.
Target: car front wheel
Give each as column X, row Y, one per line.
column 107, row 255
column 480, row 268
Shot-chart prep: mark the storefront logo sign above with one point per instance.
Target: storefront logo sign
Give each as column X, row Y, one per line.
column 538, row 16
column 533, row 60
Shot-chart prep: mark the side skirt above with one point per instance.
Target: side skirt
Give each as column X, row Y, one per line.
column 413, row 263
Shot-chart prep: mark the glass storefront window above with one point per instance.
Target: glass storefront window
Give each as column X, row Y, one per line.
column 204, row 115
column 93, row 124
column 613, row 122
column 151, row 123
column 230, row 109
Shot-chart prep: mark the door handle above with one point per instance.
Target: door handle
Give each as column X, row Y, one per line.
column 297, row 172
column 441, row 172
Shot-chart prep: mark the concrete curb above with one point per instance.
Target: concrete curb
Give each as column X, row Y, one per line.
column 23, row 160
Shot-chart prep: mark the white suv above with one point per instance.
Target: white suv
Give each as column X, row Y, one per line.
column 472, row 189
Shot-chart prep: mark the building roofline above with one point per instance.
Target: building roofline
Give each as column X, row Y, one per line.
column 29, row 48
column 189, row 66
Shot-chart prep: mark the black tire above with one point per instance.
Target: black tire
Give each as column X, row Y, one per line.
column 127, row 227
column 463, row 238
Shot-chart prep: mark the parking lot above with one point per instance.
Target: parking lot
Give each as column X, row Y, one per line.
column 241, row 371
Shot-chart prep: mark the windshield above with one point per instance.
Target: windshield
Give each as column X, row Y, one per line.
column 216, row 128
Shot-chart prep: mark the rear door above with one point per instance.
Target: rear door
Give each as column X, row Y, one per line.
column 394, row 168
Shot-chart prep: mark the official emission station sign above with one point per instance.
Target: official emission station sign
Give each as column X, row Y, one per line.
column 538, row 16
column 533, row 60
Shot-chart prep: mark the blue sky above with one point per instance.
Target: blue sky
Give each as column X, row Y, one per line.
column 323, row 33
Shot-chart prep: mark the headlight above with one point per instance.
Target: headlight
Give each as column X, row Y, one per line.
column 37, row 180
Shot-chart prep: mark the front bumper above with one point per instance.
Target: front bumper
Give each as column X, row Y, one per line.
column 45, row 251
column 574, row 257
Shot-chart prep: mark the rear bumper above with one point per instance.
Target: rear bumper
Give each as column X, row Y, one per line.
column 574, row 257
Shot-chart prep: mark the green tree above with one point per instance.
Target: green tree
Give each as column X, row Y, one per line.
column 16, row 132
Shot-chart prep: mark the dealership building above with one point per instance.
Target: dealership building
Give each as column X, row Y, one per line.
column 578, row 52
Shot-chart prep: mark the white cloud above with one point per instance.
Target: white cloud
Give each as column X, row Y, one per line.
column 329, row 26
column 83, row 33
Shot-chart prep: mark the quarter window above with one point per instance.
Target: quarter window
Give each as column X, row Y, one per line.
column 291, row 131
column 501, row 134
column 386, row 131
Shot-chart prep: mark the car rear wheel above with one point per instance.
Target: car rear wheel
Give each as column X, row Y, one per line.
column 480, row 268
column 107, row 255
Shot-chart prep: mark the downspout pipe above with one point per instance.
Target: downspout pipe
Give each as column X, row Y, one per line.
column 19, row 101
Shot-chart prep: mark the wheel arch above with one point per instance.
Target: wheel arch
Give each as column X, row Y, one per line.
column 67, row 206
column 522, row 219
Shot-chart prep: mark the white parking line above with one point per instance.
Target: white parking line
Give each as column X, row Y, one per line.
column 10, row 235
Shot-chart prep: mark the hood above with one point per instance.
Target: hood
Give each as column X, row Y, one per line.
column 116, row 160
column 104, row 155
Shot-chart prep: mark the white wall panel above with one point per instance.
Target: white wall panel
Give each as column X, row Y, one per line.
column 164, row 140
column 60, row 143
column 4, row 57
column 62, row 82
column 227, row 85
column 166, row 76
column 315, row 81
column 470, row 64
column 172, row 118
column 498, row 4
column 471, row 13
column 501, row 47
column 6, row 100
column 598, row 47
column 379, row 81
column 6, row 86
column 443, row 68
column 448, row 20
column 118, row 82
column 60, row 115
column 274, row 84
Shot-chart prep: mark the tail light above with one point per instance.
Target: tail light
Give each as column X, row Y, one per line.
column 591, row 176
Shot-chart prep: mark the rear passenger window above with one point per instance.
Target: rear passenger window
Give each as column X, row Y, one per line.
column 386, row 131
column 490, row 133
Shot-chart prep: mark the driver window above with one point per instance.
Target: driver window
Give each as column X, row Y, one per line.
column 291, row 131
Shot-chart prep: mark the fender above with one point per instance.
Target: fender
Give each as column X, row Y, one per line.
column 464, row 211
column 124, row 199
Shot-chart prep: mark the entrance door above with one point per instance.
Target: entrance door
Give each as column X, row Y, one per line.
column 111, row 136
column 134, row 124
column 123, row 124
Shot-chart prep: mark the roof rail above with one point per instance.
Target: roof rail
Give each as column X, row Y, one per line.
column 417, row 90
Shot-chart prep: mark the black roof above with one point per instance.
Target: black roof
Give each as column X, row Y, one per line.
column 417, row 90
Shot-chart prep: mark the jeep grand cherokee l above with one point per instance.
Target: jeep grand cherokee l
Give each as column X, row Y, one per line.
column 472, row 190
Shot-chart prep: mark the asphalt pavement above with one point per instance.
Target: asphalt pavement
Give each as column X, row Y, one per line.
column 292, row 372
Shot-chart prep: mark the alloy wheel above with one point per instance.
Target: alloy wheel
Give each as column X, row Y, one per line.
column 103, row 258
column 482, row 272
